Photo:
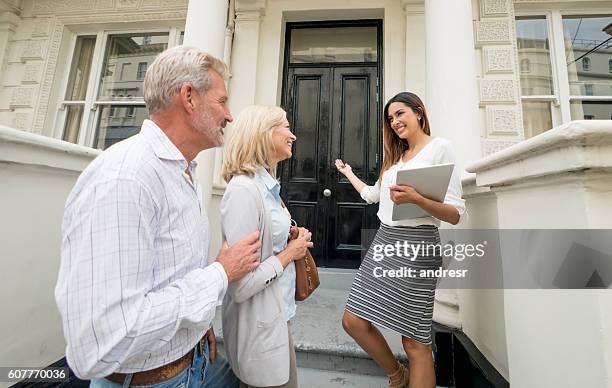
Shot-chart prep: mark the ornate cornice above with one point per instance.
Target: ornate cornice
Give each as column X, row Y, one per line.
column 413, row 6
column 250, row 8
column 13, row 6
column 86, row 7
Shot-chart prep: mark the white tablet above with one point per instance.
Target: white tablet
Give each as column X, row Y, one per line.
column 430, row 181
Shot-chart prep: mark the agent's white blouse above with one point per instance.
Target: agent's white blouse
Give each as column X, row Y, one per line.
column 437, row 151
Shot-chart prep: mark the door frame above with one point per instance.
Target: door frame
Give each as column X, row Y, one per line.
column 290, row 26
column 378, row 23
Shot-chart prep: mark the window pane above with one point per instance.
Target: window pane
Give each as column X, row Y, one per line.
column 536, row 117
column 337, row 44
column 591, row 110
column 588, row 51
column 118, row 122
column 81, row 67
column 534, row 56
column 74, row 115
column 124, row 56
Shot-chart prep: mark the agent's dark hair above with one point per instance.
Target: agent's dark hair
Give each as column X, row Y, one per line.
column 394, row 146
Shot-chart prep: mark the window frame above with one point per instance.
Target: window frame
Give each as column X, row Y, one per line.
column 92, row 106
column 561, row 103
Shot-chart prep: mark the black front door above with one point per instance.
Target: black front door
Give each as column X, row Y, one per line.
column 333, row 111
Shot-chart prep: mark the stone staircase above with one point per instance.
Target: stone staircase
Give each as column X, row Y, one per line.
column 326, row 356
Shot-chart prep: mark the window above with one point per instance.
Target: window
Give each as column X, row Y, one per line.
column 586, row 39
column 125, row 68
column 586, row 64
column 568, row 77
column 525, row 65
column 142, row 69
column 537, row 91
column 103, row 102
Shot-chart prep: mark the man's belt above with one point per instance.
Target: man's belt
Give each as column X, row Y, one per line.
column 159, row 374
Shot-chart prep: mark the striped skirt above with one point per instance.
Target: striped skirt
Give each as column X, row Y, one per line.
column 393, row 288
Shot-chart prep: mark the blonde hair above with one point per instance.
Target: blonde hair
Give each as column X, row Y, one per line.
column 249, row 146
column 175, row 67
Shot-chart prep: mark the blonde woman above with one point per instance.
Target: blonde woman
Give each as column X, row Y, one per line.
column 257, row 309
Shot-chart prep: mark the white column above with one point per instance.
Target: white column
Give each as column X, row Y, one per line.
column 452, row 97
column 205, row 29
column 415, row 47
column 244, row 58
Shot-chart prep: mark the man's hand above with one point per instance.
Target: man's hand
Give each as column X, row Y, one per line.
column 240, row 259
column 212, row 344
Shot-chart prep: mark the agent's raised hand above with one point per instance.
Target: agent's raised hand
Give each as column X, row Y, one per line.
column 343, row 168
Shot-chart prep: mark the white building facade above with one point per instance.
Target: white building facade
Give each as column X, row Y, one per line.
column 496, row 77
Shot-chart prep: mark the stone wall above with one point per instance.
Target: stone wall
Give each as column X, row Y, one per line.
column 38, row 39
column 498, row 81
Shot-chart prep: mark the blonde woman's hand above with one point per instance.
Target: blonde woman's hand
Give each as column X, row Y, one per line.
column 298, row 246
column 343, row 168
column 293, row 233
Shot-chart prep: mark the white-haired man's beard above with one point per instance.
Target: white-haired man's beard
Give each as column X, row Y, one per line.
column 205, row 125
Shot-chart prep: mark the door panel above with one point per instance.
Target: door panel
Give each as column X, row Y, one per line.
column 334, row 113
column 307, row 106
column 306, row 126
column 354, row 134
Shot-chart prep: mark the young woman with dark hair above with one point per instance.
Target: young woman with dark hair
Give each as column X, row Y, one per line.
column 404, row 305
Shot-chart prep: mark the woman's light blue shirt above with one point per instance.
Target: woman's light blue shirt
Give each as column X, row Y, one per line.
column 281, row 223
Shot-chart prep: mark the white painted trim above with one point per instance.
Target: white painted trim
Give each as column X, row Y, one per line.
column 575, row 146
column 560, row 67
column 27, row 148
column 86, row 132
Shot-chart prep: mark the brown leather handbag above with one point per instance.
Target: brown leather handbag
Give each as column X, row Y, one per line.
column 306, row 277
column 306, row 274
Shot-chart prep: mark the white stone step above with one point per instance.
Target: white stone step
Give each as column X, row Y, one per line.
column 316, row 378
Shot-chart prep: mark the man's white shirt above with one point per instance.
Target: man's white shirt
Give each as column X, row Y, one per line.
column 135, row 290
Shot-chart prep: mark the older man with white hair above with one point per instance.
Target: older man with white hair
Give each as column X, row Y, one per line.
column 135, row 291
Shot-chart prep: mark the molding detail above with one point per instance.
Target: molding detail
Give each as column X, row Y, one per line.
column 9, row 21
column 498, row 60
column 84, row 7
column 492, row 31
column 503, row 121
column 493, row 146
column 57, row 6
column 127, row 4
column 31, row 73
column 494, row 91
column 22, row 97
column 151, row 3
column 20, row 121
column 34, row 50
column 124, row 18
column 42, row 28
column 174, row 3
column 48, row 76
column 413, row 7
column 494, row 7
column 105, row 4
column 250, row 7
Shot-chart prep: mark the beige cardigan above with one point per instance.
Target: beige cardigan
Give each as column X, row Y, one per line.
column 254, row 326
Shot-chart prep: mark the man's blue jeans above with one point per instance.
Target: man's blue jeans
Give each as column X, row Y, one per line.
column 202, row 374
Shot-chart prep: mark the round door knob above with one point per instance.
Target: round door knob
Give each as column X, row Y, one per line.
column 327, row 192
